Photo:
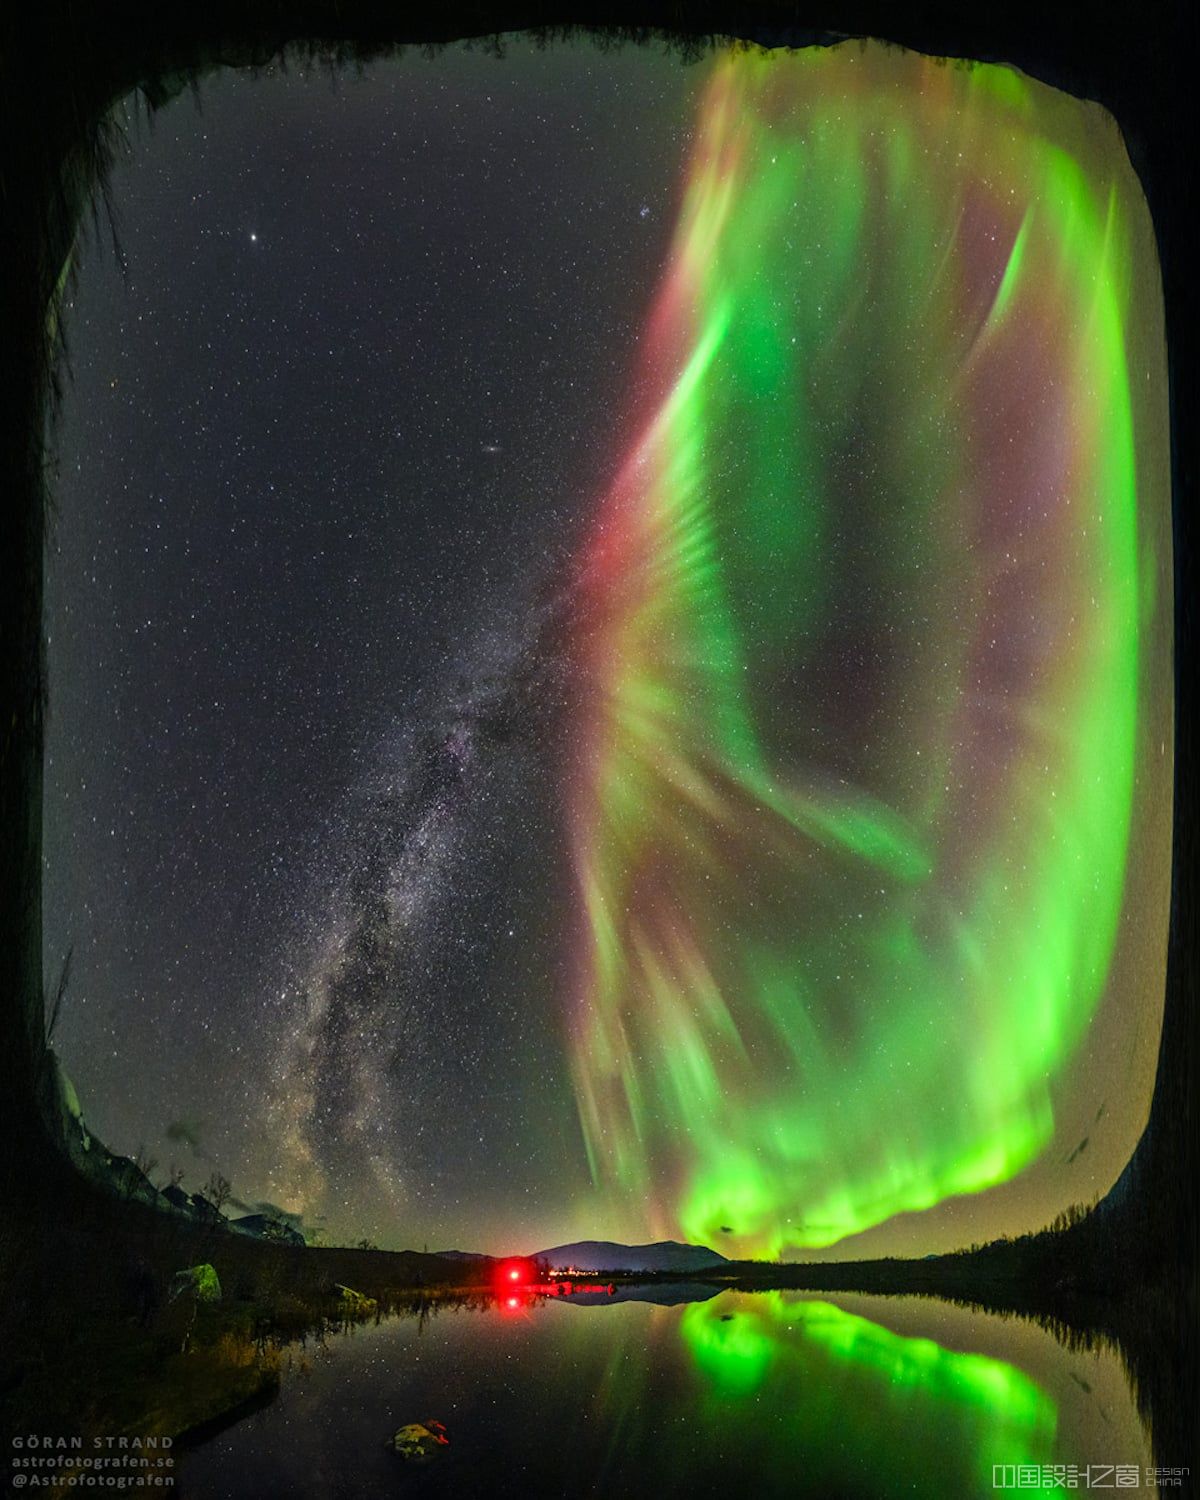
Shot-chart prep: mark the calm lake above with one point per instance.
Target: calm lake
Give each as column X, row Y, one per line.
column 735, row 1393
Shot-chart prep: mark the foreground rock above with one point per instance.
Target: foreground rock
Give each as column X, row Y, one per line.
column 420, row 1441
column 201, row 1282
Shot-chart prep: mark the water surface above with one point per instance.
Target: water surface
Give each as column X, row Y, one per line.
column 757, row 1394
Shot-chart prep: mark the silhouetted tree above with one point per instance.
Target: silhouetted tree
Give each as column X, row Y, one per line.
column 218, row 1190
column 144, row 1162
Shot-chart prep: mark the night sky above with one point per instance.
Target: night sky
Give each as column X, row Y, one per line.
column 608, row 651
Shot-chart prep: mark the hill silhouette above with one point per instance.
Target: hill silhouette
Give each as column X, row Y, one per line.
column 608, row 1255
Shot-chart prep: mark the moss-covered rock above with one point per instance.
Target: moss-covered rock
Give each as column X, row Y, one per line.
column 201, row 1282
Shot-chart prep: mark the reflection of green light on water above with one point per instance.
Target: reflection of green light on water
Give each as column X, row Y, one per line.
column 913, row 1417
column 733, row 1351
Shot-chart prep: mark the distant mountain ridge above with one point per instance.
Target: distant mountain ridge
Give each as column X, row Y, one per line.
column 607, row 1255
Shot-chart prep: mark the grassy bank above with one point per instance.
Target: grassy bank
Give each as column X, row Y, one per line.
column 95, row 1344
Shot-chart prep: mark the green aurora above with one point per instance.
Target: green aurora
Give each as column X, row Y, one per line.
column 852, row 800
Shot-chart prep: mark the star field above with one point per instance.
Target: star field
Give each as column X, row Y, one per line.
column 385, row 651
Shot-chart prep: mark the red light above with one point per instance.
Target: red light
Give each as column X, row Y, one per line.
column 514, row 1302
column 513, row 1273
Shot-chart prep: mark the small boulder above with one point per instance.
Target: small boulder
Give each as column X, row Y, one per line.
column 201, row 1282
column 420, row 1441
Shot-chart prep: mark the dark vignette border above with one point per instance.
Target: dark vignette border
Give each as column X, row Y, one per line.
column 63, row 63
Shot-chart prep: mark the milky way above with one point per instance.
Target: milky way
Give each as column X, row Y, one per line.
column 358, row 1089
